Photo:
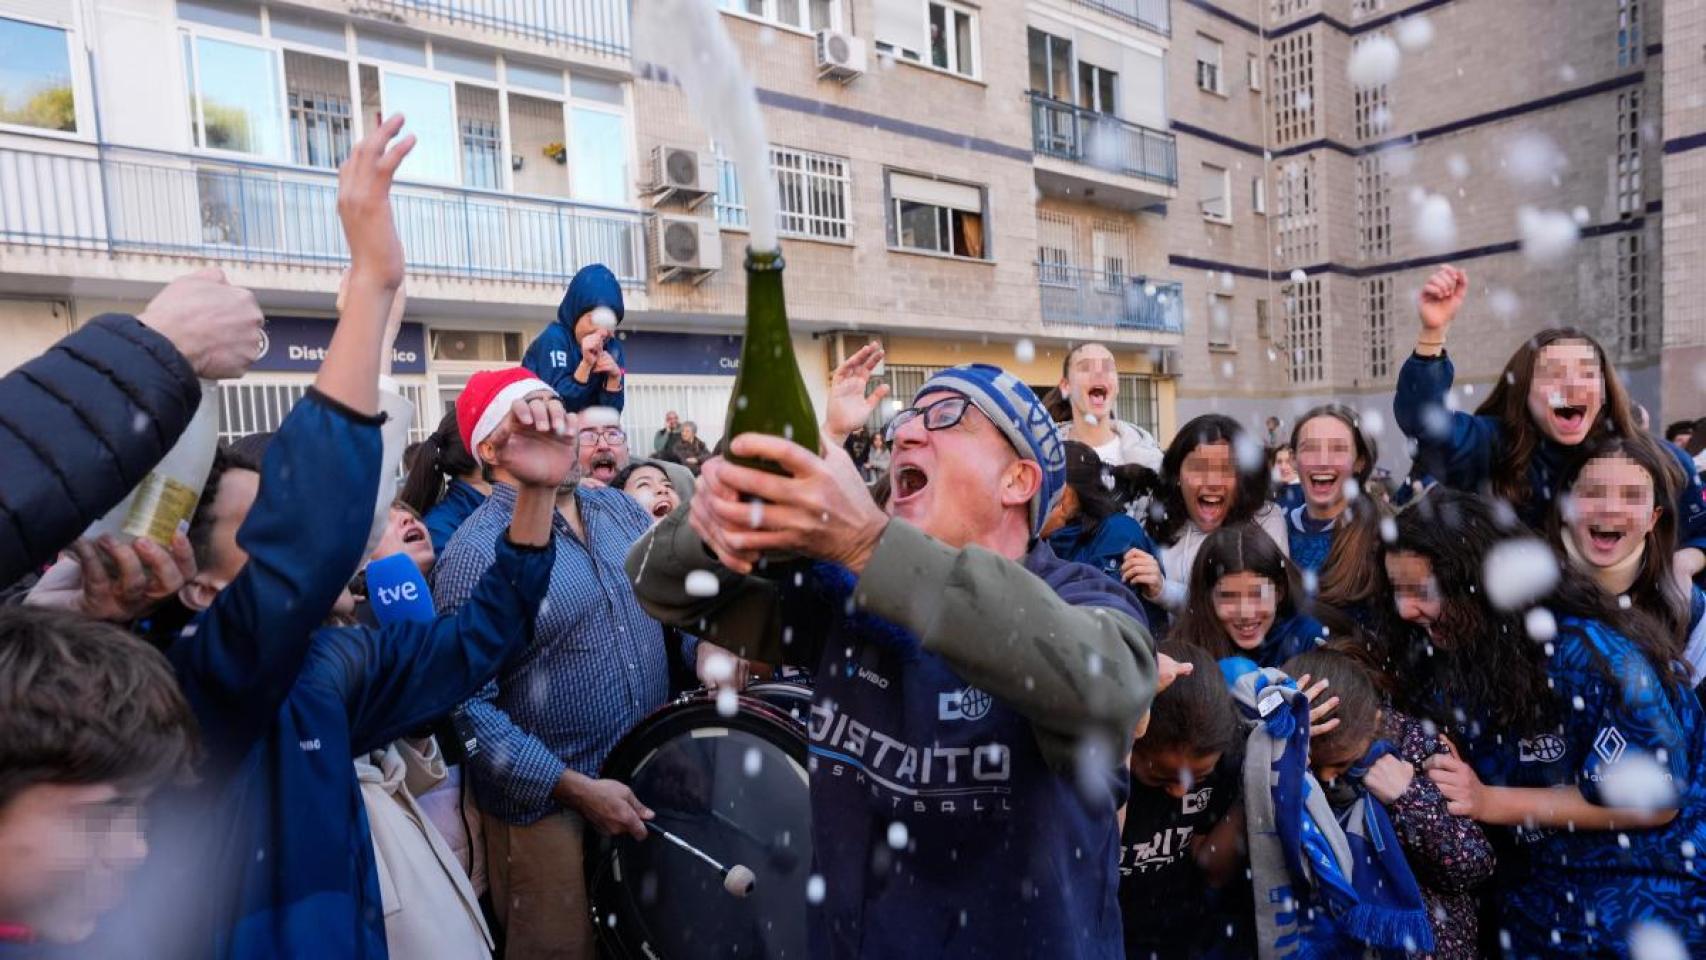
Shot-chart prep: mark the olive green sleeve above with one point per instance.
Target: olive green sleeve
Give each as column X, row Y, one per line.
column 744, row 614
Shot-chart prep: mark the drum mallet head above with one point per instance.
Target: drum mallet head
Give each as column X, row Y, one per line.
column 738, row 880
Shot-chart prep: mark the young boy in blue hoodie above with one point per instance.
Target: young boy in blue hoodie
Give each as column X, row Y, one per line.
column 270, row 855
column 578, row 355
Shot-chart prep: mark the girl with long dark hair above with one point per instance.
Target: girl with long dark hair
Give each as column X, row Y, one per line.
column 1088, row 524
column 442, row 456
column 1616, row 524
column 1246, row 601
column 1578, row 738
column 1557, row 392
column 1214, row 475
column 1334, row 461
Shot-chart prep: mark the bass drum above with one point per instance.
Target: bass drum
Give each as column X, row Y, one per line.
column 735, row 787
column 792, row 696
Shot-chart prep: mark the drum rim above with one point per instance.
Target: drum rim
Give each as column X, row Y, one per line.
column 752, row 715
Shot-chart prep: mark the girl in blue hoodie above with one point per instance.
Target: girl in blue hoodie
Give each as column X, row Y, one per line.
column 580, row 355
column 1557, row 392
column 1089, row 525
column 1245, row 600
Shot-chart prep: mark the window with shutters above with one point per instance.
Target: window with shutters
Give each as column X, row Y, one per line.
column 1211, row 75
column 1297, row 207
column 1305, row 333
column 929, row 215
column 812, row 191
column 1629, row 152
column 1631, row 292
column 1253, row 71
column 1375, row 300
column 1110, row 246
column 1259, row 195
column 1292, row 72
column 1374, row 208
column 1219, row 321
column 1215, row 194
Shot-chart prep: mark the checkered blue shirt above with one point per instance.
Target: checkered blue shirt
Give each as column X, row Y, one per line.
column 595, row 666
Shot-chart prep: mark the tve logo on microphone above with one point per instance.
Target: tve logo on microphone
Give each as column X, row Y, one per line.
column 397, row 591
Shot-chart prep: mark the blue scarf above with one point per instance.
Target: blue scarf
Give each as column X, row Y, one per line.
column 1320, row 893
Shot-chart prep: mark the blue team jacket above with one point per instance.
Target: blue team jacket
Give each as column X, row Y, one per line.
column 1463, row 454
column 270, row 853
column 553, row 357
column 1104, row 547
column 460, row 501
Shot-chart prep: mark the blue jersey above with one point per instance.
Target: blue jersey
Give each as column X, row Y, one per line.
column 1564, row 892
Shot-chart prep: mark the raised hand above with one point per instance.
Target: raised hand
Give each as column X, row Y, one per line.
column 1320, row 711
column 849, row 406
column 1142, row 571
column 536, row 442
column 364, row 202
column 217, row 327
column 1440, row 299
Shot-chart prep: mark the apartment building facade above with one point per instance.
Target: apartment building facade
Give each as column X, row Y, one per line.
column 1505, row 122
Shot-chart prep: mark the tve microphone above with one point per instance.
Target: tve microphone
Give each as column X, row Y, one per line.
column 397, row 591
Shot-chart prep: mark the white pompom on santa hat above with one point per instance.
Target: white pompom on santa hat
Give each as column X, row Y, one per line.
column 487, row 399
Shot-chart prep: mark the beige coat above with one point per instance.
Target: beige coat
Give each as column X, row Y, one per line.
column 430, row 907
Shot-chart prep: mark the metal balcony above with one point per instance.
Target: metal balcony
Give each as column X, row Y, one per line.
column 1075, row 296
column 1085, row 154
column 597, row 26
column 1151, row 14
column 131, row 201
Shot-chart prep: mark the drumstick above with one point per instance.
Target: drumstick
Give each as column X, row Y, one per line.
column 781, row 857
column 737, row 880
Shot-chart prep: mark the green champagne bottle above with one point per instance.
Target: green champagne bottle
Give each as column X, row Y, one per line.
column 770, row 395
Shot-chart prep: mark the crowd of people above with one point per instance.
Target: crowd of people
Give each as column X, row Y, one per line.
column 1074, row 693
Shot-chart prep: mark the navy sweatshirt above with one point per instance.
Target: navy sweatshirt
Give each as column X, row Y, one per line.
column 274, row 837
column 1461, row 450
column 1104, row 547
column 556, row 352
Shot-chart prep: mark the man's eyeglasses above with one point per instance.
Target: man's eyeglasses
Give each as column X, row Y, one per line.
column 611, row 435
column 940, row 415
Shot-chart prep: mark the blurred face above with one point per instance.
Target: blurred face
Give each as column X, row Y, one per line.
column 1330, row 765
column 225, row 559
column 689, row 432
column 602, row 452
column 1285, row 466
column 671, row 421
column 1245, row 604
column 1414, row 590
column 1092, row 383
column 1326, row 458
column 652, row 489
column 405, row 533
column 1065, row 510
column 1209, row 481
column 1568, row 391
column 1610, row 510
column 1175, row 771
column 68, row 850
column 957, row 483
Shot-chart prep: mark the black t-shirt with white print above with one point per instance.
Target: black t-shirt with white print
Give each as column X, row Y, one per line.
column 1165, row 901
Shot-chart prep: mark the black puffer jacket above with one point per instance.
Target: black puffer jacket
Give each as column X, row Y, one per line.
column 80, row 426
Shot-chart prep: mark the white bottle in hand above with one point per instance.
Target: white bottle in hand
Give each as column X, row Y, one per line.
column 164, row 501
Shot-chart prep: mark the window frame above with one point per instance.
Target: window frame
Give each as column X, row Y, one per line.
column 892, row 202
column 1218, row 67
column 725, row 209
column 191, row 31
column 1098, row 75
column 1228, row 344
column 1253, row 71
column 951, row 7
column 81, row 84
column 1224, row 218
column 1259, row 195
column 737, row 9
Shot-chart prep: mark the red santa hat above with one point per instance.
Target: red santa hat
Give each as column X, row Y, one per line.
column 487, row 400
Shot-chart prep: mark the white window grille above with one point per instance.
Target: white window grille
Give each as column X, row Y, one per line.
column 258, row 404
column 1298, row 209
column 813, row 194
column 1305, row 333
column 1292, row 63
column 1139, row 402
column 1631, row 307
column 1629, row 152
column 1628, row 32
column 1375, row 295
column 1057, row 248
column 1374, row 208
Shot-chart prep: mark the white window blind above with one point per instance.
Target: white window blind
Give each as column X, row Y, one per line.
column 941, row 193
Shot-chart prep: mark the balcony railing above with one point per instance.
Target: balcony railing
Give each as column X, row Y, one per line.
column 1092, row 298
column 1070, row 132
column 147, row 202
column 1153, row 14
column 598, row 26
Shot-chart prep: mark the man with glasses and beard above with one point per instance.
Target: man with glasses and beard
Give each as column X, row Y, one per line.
column 595, row 667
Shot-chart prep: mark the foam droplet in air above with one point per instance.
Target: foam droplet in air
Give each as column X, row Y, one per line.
column 1504, row 303
column 897, row 835
column 1024, row 351
column 701, row 583
column 1414, row 33
column 604, row 318
column 814, row 889
column 753, row 762
column 728, row 702
column 1581, row 216
column 1547, row 235
column 1373, row 62
column 719, row 668
column 1636, row 781
column 1435, row 225
column 1532, row 158
column 1651, row 940
column 1298, row 276
column 1541, row 624
column 1458, row 166
column 1518, row 572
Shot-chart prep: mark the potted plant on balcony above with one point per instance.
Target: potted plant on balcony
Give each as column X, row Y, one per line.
column 556, row 151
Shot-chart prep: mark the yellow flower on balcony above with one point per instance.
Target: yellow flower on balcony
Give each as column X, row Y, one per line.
column 556, row 151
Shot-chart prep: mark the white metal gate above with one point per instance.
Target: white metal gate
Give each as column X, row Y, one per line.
column 259, row 403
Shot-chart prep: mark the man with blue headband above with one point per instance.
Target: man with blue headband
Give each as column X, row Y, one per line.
column 975, row 695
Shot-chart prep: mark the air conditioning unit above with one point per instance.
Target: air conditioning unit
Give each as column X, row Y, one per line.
column 682, row 174
column 685, row 248
column 839, row 56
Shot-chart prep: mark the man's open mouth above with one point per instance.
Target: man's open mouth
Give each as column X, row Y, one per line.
column 908, row 481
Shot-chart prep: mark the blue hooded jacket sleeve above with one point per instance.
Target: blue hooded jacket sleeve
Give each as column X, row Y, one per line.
column 1691, row 503
column 239, row 659
column 1457, row 450
column 555, row 353
column 400, row 676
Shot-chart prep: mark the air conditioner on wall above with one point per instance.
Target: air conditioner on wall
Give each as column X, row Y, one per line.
column 678, row 173
column 840, row 56
column 685, row 248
